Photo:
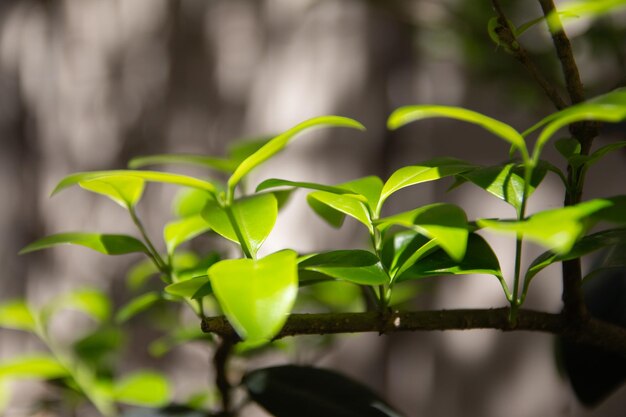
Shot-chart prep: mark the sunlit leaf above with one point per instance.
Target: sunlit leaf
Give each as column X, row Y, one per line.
column 288, row 391
column 107, row 244
column 279, row 142
column 256, row 295
column 446, row 223
column 358, row 266
column 479, row 259
column 609, row 107
column 556, row 229
column 187, row 288
column 368, row 187
column 92, row 302
column 179, row 231
column 506, row 181
column 403, row 249
column 431, row 170
column 408, row 114
column 32, row 366
column 17, row 315
column 254, row 216
column 136, row 306
column 276, row 182
column 190, row 201
column 124, row 190
column 150, row 176
column 333, row 207
column 142, row 388
column 219, row 164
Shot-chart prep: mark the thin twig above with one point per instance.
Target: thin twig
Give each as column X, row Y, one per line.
column 592, row 332
column 507, row 36
column 220, row 360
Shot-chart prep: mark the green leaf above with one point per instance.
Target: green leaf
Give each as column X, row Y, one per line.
column 479, row 259
column 107, row 244
column 556, row 229
column 180, row 231
column 151, row 176
column 124, row 190
column 190, row 201
column 256, row 295
column 142, row 388
column 187, row 288
column 219, row 164
column 276, row 182
column 288, row 391
column 506, row 181
column 136, row 306
column 32, row 366
column 279, row 142
column 405, row 115
column 255, row 217
column 567, row 147
column 91, row 302
column 590, row 7
column 431, row 170
column 333, row 207
column 358, row 266
column 403, row 249
column 17, row 315
column 368, row 187
column 584, row 246
column 239, row 150
column 600, row 152
column 96, row 346
column 609, row 107
column 139, row 274
column 446, row 223
column 177, row 337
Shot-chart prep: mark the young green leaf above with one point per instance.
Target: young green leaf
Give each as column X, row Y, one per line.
column 253, row 217
column 136, row 306
column 557, row 229
column 276, row 182
column 239, row 150
column 506, row 181
column 357, row 266
column 91, row 302
column 107, row 244
column 408, row 114
column 188, row 288
column 256, row 295
column 32, row 366
column 431, row 170
column 190, row 201
column 479, row 259
column 403, row 249
column 368, row 187
column 333, row 207
column 17, row 315
column 140, row 273
column 288, row 391
column 150, row 176
column 124, row 190
column 279, row 142
column 446, row 223
column 142, row 388
column 180, row 231
column 219, row 164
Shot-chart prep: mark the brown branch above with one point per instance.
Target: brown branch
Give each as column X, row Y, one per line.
column 220, row 360
column 592, row 332
column 507, row 36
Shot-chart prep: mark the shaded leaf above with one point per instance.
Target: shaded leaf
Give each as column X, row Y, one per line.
column 136, row 306
column 140, row 273
column 97, row 345
column 219, row 164
column 256, row 295
column 479, row 259
column 358, row 266
column 446, row 223
column 142, row 388
column 107, row 244
column 254, row 216
column 567, row 147
column 187, row 288
column 180, row 231
column 278, row 143
column 91, row 302
column 277, row 182
column 404, row 248
column 190, row 201
column 287, row 391
column 333, row 207
column 176, row 338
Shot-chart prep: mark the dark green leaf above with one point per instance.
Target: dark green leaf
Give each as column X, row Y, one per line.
column 404, row 248
column 136, row 306
column 219, row 164
column 276, row 182
column 288, row 391
column 333, row 207
column 93, row 347
column 567, row 147
column 358, row 266
column 176, row 338
column 479, row 259
column 107, row 244
column 187, row 288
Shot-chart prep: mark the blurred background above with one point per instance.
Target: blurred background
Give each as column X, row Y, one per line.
column 89, row 84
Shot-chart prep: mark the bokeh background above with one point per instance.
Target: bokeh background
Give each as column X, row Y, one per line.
column 88, row 84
